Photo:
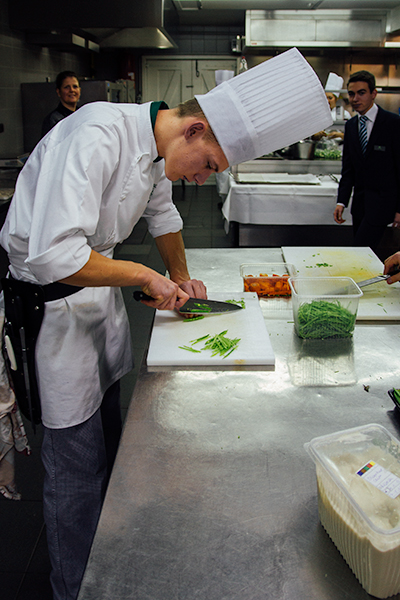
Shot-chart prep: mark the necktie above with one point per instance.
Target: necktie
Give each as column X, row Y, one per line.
column 363, row 133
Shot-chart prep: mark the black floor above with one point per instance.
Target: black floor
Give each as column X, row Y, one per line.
column 24, row 562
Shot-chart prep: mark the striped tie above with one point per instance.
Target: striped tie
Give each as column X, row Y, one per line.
column 363, row 133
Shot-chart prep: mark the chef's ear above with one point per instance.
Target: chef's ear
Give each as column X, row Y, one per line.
column 193, row 129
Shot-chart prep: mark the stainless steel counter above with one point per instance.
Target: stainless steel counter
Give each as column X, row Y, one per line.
column 213, row 496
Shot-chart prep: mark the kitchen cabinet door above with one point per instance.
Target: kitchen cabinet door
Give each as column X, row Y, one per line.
column 179, row 79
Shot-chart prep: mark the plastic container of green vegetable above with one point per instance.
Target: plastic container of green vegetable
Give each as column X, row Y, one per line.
column 324, row 307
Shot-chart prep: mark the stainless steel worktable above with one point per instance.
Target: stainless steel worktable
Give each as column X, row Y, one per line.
column 213, row 496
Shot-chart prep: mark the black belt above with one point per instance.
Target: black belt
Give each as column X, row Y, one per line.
column 54, row 291
column 24, row 306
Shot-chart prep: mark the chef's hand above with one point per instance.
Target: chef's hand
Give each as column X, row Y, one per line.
column 165, row 294
column 337, row 214
column 195, row 288
column 391, row 264
column 396, row 220
column 319, row 135
column 335, row 134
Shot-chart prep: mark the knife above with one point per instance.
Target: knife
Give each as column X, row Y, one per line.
column 373, row 280
column 378, row 278
column 197, row 306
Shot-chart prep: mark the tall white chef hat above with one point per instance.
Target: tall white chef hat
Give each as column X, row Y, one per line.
column 334, row 84
column 270, row 106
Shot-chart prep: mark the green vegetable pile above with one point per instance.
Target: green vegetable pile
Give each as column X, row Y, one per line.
column 327, row 154
column 240, row 302
column 218, row 344
column 321, row 319
column 200, row 308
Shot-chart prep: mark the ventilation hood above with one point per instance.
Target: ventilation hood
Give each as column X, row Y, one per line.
column 319, row 28
column 118, row 24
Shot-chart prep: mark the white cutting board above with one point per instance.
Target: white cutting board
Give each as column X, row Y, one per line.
column 170, row 331
column 379, row 301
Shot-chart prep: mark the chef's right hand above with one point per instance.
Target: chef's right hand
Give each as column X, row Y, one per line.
column 391, row 264
column 337, row 214
column 165, row 294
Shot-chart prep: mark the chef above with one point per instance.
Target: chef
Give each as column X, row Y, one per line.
column 81, row 192
column 333, row 85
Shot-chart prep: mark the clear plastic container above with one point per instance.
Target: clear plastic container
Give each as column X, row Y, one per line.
column 268, row 280
column 358, row 476
column 324, row 307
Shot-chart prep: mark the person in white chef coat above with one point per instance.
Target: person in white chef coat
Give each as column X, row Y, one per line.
column 81, row 192
column 334, row 84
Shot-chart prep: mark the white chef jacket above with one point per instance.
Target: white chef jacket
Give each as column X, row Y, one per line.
column 335, row 117
column 84, row 187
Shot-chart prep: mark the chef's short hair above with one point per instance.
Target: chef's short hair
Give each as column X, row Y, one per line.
column 191, row 108
column 365, row 76
column 63, row 75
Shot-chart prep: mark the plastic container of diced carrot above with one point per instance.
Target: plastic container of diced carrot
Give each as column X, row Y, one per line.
column 268, row 280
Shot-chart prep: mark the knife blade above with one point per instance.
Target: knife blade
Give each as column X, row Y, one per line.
column 378, row 278
column 373, row 280
column 197, row 306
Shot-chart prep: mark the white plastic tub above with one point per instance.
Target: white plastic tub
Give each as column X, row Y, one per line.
column 362, row 520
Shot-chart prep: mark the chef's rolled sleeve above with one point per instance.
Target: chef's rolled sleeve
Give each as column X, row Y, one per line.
column 60, row 261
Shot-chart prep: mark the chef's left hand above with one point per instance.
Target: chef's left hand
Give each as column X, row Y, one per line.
column 195, row 288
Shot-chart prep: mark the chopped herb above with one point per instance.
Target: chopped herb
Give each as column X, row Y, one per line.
column 200, row 339
column 321, row 319
column 193, row 319
column 189, row 348
column 200, row 308
column 218, row 344
column 240, row 302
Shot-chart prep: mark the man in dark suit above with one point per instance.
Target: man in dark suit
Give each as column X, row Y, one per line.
column 370, row 165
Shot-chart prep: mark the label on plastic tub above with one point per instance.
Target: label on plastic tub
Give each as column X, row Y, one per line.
column 381, row 478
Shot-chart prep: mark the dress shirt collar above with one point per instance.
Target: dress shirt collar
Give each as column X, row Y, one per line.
column 371, row 113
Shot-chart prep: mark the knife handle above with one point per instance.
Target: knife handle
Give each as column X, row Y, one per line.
column 139, row 295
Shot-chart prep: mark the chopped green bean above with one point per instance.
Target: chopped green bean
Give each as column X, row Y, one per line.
column 200, row 339
column 218, row 344
column 321, row 319
column 240, row 302
column 193, row 318
column 189, row 349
